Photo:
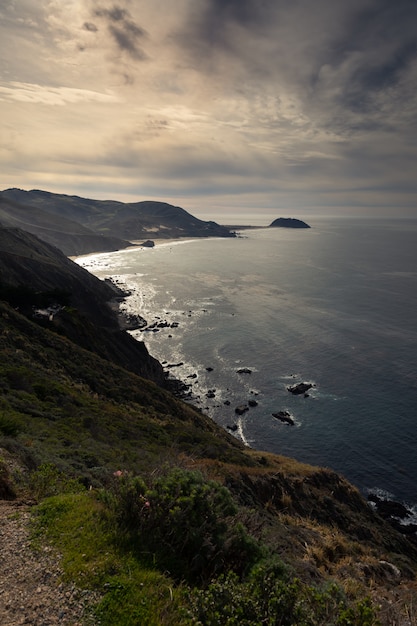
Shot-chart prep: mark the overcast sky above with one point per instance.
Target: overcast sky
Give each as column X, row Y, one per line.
column 263, row 107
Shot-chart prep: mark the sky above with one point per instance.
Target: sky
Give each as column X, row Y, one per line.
column 250, row 109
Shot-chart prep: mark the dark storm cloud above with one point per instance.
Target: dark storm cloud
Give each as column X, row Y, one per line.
column 383, row 20
column 384, row 36
column 391, row 71
column 125, row 32
column 247, row 13
column 371, row 81
column 299, row 36
column 211, row 21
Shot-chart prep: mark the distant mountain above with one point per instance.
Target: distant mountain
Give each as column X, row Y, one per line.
column 68, row 235
column 288, row 222
column 72, row 218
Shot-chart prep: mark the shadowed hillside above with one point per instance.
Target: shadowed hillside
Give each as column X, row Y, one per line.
column 66, row 234
column 31, row 268
column 79, row 225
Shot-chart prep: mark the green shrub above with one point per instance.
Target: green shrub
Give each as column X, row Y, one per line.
column 129, row 594
column 272, row 597
column 10, row 424
column 7, row 491
column 185, row 524
column 362, row 614
column 48, row 481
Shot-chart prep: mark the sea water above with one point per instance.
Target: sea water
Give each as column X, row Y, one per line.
column 334, row 305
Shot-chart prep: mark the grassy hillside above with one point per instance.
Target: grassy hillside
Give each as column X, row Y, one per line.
column 167, row 516
column 72, row 218
column 66, row 234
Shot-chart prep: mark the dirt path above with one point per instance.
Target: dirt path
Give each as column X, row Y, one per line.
column 31, row 591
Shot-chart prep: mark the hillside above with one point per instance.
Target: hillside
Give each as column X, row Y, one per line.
column 159, row 511
column 35, row 275
column 67, row 235
column 79, row 225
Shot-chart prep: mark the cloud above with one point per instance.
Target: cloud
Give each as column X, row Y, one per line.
column 232, row 102
column 92, row 28
column 334, row 58
column 39, row 94
column 125, row 32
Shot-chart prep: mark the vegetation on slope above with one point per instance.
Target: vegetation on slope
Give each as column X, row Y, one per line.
column 168, row 516
column 188, row 545
column 79, row 225
column 68, row 235
column 34, row 274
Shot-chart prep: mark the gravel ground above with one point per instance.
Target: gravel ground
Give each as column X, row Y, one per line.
column 31, row 591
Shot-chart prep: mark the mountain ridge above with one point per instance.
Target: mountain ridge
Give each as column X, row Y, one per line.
column 69, row 236
column 83, row 225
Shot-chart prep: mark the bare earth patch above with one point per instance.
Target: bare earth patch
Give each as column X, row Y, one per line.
column 31, row 590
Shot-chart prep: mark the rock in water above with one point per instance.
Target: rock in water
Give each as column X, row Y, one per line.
column 285, row 417
column 288, row 222
column 300, row 388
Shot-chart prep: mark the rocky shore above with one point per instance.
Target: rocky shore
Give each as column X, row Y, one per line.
column 188, row 389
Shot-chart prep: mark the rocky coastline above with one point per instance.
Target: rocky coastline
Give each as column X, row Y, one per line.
column 394, row 512
column 187, row 389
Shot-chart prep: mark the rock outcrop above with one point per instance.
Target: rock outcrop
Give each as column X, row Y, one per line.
column 288, row 222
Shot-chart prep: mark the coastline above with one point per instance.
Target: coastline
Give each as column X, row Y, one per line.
column 316, row 417
column 400, row 514
column 164, row 241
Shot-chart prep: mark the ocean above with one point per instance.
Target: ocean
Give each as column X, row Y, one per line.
column 334, row 306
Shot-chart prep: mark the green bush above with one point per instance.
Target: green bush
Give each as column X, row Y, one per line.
column 185, row 524
column 272, row 597
column 252, row 603
column 10, row 424
column 48, row 481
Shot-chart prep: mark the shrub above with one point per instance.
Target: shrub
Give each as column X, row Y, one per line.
column 10, row 424
column 184, row 523
column 48, row 480
column 7, row 491
column 272, row 597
